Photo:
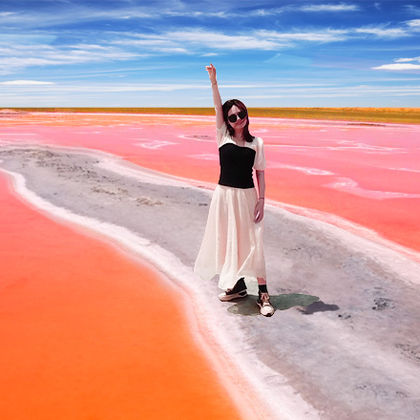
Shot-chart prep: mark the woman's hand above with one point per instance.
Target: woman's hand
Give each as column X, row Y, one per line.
column 212, row 73
column 259, row 211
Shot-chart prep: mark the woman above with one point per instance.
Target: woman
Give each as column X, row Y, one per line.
column 232, row 245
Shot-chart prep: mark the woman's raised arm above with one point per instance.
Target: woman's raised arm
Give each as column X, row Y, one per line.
column 216, row 95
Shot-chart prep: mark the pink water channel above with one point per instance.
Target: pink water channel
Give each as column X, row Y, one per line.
column 364, row 173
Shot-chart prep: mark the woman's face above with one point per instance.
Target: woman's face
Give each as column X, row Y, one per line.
column 239, row 123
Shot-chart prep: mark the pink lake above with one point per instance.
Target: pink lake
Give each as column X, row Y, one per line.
column 367, row 174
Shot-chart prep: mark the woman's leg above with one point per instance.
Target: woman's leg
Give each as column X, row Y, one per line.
column 261, row 280
column 263, row 300
column 262, row 286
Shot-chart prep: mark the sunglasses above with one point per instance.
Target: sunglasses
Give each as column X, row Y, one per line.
column 234, row 117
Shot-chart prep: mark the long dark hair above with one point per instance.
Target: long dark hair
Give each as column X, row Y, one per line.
column 226, row 107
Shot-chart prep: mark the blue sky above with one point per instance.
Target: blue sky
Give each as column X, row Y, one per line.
column 138, row 53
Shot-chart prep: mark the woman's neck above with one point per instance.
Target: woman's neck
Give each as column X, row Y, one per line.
column 239, row 134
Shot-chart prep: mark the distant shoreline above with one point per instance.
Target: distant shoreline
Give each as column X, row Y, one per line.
column 368, row 114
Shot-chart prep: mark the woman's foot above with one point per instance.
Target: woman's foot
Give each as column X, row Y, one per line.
column 230, row 295
column 238, row 291
column 263, row 302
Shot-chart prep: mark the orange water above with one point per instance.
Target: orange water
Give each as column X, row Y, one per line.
column 88, row 334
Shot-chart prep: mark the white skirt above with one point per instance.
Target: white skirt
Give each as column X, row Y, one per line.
column 232, row 245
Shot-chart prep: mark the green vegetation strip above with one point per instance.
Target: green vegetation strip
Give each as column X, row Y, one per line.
column 397, row 115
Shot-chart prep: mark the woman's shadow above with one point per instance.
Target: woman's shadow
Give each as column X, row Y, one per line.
column 306, row 304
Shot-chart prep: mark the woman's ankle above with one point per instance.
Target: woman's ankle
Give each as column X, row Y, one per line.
column 262, row 288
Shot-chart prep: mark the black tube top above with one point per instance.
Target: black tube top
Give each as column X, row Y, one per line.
column 236, row 164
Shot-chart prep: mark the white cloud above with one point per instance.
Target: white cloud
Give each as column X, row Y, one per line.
column 6, row 14
column 25, row 83
column 401, row 64
column 218, row 40
column 153, row 45
column 382, row 32
column 341, row 7
column 405, row 60
column 192, row 13
column 23, row 55
column 398, row 66
column 414, row 24
column 189, row 41
column 198, row 38
column 329, row 35
column 263, row 12
column 70, row 14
